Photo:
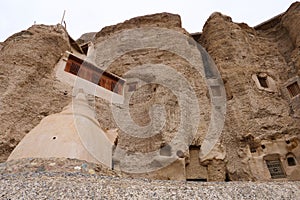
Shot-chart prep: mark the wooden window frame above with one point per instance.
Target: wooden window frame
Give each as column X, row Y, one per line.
column 293, row 89
column 93, row 74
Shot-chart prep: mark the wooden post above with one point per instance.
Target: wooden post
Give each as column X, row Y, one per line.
column 62, row 19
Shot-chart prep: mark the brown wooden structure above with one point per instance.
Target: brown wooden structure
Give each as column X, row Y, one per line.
column 92, row 73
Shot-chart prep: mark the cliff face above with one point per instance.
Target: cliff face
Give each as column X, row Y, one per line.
column 290, row 22
column 133, row 63
column 259, row 67
column 254, row 114
column 28, row 89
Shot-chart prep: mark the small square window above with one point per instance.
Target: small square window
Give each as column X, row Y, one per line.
column 293, row 89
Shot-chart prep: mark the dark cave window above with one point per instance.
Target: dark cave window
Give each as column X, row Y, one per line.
column 291, row 161
column 263, row 81
column 227, row 177
column 252, row 149
column 293, row 89
column 85, row 48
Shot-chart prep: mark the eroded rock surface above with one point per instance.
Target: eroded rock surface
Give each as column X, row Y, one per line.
column 257, row 64
column 163, row 20
column 240, row 51
column 29, row 91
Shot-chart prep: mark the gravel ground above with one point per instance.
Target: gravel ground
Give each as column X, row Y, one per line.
column 62, row 185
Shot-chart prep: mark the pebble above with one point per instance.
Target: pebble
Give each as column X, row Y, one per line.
column 33, row 163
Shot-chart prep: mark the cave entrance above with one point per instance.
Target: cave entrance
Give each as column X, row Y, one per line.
column 194, row 170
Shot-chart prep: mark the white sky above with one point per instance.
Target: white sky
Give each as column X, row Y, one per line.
column 91, row 15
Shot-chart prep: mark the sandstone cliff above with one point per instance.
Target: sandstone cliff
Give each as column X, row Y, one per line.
column 257, row 64
column 240, row 51
column 28, row 89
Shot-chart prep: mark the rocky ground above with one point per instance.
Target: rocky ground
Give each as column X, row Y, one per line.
column 63, row 185
column 74, row 179
column 54, row 165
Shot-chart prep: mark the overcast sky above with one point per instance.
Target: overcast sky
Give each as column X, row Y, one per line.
column 91, row 15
